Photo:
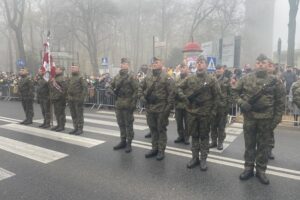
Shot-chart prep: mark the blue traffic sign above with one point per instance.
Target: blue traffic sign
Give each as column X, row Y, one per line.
column 104, row 61
column 21, row 62
column 212, row 61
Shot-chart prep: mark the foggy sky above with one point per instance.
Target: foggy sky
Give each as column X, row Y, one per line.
column 281, row 20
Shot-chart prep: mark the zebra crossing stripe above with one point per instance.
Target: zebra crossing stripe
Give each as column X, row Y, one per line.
column 135, row 115
column 33, row 152
column 61, row 137
column 4, row 174
column 113, row 117
column 109, row 123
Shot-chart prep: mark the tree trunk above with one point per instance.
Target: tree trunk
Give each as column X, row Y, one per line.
column 292, row 32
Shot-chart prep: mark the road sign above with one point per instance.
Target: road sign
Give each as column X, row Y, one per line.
column 21, row 62
column 211, row 64
column 104, row 61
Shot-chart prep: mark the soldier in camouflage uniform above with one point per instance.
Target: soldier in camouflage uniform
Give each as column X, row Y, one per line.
column 77, row 91
column 262, row 102
column 201, row 92
column 43, row 98
column 180, row 112
column 124, row 86
column 272, row 71
column 58, row 88
column 25, row 88
column 157, row 92
column 218, row 124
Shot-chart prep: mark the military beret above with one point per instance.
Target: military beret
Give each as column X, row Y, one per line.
column 156, row 59
column 262, row 57
column 219, row 66
column 125, row 60
column 201, row 57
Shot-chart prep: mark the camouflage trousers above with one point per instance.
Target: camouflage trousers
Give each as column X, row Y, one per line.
column 218, row 125
column 27, row 105
column 125, row 121
column 59, row 111
column 272, row 140
column 76, row 110
column 158, row 123
column 181, row 121
column 199, row 127
column 45, row 108
column 257, row 135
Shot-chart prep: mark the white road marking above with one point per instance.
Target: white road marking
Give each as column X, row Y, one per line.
column 135, row 115
column 4, row 174
column 109, row 123
column 33, row 152
column 230, row 138
column 234, row 131
column 237, row 125
column 113, row 117
column 62, row 137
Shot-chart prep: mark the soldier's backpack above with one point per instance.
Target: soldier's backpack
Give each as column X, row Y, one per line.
column 296, row 94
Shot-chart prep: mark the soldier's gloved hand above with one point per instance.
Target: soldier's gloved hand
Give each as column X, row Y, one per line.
column 245, row 106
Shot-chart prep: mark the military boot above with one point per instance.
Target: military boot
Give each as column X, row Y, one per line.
column 213, row 144
column 60, row 128
column 47, row 124
column 179, row 140
column 128, row 147
column 54, row 128
column 148, row 135
column 121, row 145
column 72, row 131
column 22, row 122
column 43, row 124
column 29, row 121
column 186, row 141
column 194, row 161
column 203, row 165
column 220, row 146
column 160, row 155
column 271, row 155
column 78, row 132
column 261, row 175
column 151, row 153
column 247, row 173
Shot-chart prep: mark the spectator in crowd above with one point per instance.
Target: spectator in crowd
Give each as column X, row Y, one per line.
column 289, row 77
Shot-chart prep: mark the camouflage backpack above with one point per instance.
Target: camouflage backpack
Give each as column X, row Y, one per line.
column 296, row 94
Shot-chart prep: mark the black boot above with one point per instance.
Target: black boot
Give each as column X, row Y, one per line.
column 220, row 146
column 73, row 131
column 22, row 122
column 60, row 128
column 179, row 140
column 28, row 122
column 128, row 147
column 261, row 175
column 247, row 173
column 121, row 145
column 42, row 125
column 54, row 128
column 194, row 161
column 148, row 135
column 203, row 165
column 78, row 132
column 160, row 155
column 213, row 144
column 151, row 153
column 271, row 155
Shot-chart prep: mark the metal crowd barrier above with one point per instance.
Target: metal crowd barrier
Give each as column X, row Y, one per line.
column 8, row 93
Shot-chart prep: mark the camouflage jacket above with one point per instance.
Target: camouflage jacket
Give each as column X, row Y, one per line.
column 77, row 88
column 25, row 88
column 42, row 88
column 125, row 88
column 179, row 102
column 270, row 105
column 163, row 89
column 225, row 95
column 205, row 103
column 58, row 88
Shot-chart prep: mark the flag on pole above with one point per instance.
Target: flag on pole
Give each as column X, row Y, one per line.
column 48, row 66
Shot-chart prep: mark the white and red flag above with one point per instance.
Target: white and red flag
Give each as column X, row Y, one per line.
column 48, row 65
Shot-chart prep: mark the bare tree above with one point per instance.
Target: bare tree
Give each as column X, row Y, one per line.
column 15, row 14
column 292, row 31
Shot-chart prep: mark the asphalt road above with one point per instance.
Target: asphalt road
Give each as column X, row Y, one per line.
column 38, row 164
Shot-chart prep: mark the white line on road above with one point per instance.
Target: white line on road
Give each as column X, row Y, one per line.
column 230, row 138
column 4, row 174
column 143, row 121
column 61, row 137
column 36, row 153
column 233, row 130
column 109, row 123
column 135, row 115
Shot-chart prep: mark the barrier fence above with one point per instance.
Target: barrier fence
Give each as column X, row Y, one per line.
column 99, row 98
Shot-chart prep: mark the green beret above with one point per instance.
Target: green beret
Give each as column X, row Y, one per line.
column 262, row 57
